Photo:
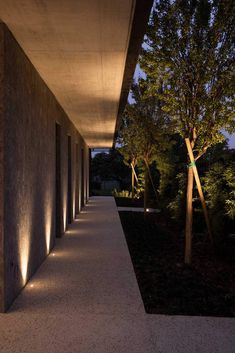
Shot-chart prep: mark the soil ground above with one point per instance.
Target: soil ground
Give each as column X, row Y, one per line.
column 207, row 288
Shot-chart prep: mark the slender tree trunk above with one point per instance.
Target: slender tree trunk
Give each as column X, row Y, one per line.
column 151, row 179
column 145, row 189
column 199, row 187
column 132, row 184
column 135, row 175
column 189, row 218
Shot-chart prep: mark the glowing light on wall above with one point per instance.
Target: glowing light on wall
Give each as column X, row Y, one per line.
column 48, row 227
column 74, row 198
column 48, row 235
column 64, row 203
column 24, row 244
column 48, row 220
column 24, row 257
column 79, row 200
column 64, row 216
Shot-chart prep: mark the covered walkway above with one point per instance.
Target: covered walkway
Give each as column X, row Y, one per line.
column 85, row 299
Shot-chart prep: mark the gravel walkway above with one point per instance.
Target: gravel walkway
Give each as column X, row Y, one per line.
column 85, row 299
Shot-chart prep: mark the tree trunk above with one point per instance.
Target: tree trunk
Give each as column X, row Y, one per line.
column 199, row 187
column 145, row 189
column 132, row 185
column 189, row 218
column 151, row 179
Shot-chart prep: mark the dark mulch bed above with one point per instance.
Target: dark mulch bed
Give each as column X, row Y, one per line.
column 168, row 286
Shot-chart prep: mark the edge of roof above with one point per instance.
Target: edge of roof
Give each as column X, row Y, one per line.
column 139, row 24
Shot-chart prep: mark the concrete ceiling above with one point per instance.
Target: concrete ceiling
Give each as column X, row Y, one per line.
column 79, row 47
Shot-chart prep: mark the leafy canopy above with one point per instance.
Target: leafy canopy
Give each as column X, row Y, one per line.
column 143, row 127
column 189, row 64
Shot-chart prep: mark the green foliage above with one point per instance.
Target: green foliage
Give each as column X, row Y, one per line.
column 122, row 193
column 189, row 64
column 214, row 184
column 219, row 185
column 139, row 189
column 219, row 152
column 142, row 128
column 177, row 206
column 188, row 91
column 140, row 136
column 169, row 163
column 230, row 201
column 109, row 166
column 143, row 134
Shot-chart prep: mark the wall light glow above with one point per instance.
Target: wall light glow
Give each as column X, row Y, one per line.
column 24, row 245
column 48, row 236
column 64, row 216
column 79, row 203
column 64, row 202
column 48, row 221
column 24, row 256
column 74, row 205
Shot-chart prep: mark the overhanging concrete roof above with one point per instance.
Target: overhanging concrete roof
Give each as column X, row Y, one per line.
column 86, row 51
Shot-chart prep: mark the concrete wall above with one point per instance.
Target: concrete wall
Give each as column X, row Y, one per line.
column 28, row 115
column 1, row 176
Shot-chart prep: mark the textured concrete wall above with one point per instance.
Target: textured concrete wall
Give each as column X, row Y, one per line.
column 80, row 143
column 30, row 114
column 1, row 172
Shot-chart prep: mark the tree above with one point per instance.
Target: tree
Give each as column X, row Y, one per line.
column 129, row 149
column 109, row 166
column 142, row 132
column 169, row 162
column 189, row 63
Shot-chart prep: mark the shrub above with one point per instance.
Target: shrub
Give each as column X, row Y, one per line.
column 122, row 193
column 177, row 206
column 219, row 186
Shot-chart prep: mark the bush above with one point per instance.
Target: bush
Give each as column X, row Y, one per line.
column 230, row 201
column 122, row 193
column 219, row 186
column 177, row 206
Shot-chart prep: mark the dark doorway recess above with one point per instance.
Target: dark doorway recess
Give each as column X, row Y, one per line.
column 82, row 176
column 77, row 181
column 69, row 198
column 58, row 208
